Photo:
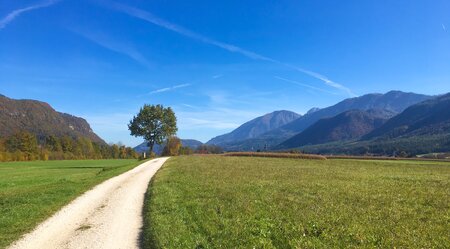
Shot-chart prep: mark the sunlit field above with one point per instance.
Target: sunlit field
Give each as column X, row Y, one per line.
column 242, row 202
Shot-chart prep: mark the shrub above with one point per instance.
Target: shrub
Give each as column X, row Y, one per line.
column 208, row 149
column 185, row 150
column 172, row 147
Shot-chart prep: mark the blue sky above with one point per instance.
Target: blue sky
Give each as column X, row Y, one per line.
column 217, row 63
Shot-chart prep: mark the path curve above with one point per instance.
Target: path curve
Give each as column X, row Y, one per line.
column 108, row 216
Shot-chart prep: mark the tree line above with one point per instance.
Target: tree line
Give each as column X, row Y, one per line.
column 25, row 146
column 174, row 147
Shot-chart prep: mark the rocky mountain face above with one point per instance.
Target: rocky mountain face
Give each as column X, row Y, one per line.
column 41, row 119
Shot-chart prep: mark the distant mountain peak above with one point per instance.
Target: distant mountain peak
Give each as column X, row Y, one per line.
column 312, row 110
column 397, row 92
column 256, row 127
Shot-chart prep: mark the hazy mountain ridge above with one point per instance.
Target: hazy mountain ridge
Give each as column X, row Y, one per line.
column 348, row 125
column 42, row 120
column 256, row 127
column 393, row 101
column 420, row 129
column 426, row 118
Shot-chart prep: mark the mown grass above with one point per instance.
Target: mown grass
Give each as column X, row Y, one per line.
column 32, row 191
column 242, row 202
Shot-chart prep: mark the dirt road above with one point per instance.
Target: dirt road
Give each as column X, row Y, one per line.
column 108, row 216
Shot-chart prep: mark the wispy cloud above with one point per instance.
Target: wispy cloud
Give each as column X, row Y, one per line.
column 217, row 76
column 189, row 106
column 213, row 118
column 14, row 14
column 195, row 123
column 223, row 98
column 166, row 89
column 302, row 84
column 444, row 28
column 149, row 17
column 116, row 46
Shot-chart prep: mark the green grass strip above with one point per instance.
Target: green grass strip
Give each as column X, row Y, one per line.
column 30, row 192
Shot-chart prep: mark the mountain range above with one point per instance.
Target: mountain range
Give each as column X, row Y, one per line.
column 378, row 124
column 393, row 102
column 348, row 125
column 429, row 117
column 42, row 120
column 421, row 129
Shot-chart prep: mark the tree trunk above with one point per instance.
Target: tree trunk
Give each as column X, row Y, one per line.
column 150, row 145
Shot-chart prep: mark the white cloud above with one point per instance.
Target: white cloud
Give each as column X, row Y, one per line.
column 149, row 17
column 14, row 14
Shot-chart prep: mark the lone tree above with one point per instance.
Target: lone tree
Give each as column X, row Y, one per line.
column 155, row 123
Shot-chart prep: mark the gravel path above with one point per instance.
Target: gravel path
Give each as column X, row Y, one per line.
column 108, row 216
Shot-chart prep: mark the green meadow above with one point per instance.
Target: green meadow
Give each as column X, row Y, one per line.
column 33, row 191
column 244, row 202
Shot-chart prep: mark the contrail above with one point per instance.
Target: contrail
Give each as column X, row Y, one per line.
column 11, row 16
column 169, row 88
column 115, row 46
column 149, row 17
column 302, row 84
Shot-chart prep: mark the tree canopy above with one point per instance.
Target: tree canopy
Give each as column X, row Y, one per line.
column 155, row 123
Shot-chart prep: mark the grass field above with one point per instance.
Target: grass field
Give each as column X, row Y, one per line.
column 239, row 202
column 32, row 191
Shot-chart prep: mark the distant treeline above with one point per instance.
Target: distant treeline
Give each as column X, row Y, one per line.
column 25, row 146
column 392, row 147
column 174, row 147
